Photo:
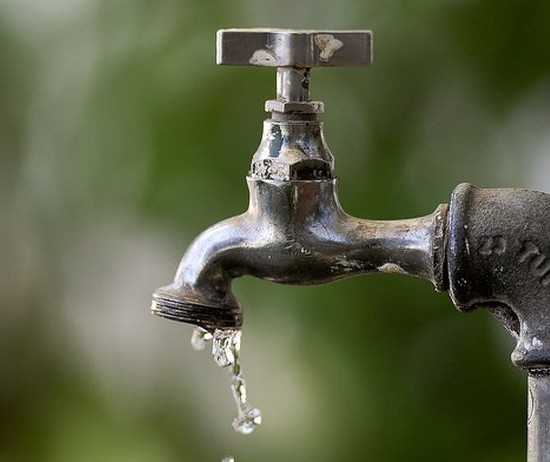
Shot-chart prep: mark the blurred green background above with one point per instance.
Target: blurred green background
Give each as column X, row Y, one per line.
column 120, row 140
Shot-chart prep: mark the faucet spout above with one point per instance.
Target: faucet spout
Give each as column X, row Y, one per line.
column 295, row 232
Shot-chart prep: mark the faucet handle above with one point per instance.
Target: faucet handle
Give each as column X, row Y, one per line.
column 293, row 53
column 293, row 48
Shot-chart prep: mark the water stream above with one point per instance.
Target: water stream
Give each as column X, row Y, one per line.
column 226, row 349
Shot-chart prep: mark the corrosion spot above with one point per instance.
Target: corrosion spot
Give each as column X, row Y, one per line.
column 327, row 45
column 391, row 268
column 263, row 58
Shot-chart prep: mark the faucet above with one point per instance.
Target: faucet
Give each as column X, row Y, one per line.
column 488, row 248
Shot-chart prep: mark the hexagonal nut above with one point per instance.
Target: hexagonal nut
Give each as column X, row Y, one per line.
column 309, row 107
column 304, row 169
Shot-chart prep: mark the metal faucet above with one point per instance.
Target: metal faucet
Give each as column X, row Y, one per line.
column 489, row 247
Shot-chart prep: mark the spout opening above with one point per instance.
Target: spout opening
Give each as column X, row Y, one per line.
column 208, row 317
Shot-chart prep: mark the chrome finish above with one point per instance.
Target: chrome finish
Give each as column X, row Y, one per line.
column 292, row 150
column 292, row 84
column 293, row 48
column 294, row 232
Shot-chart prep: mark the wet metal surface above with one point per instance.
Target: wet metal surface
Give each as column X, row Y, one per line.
column 294, row 232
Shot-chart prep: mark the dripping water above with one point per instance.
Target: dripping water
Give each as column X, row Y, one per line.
column 226, row 348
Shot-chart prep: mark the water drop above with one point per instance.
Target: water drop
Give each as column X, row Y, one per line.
column 247, row 421
column 238, row 387
column 200, row 338
column 228, row 459
column 226, row 347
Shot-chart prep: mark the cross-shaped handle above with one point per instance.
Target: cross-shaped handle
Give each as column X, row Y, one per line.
column 293, row 53
column 293, row 48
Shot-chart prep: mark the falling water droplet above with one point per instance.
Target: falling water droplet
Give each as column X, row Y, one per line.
column 226, row 349
column 200, row 338
column 228, row 459
column 247, row 421
column 249, row 417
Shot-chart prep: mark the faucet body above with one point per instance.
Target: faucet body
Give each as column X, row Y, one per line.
column 295, row 232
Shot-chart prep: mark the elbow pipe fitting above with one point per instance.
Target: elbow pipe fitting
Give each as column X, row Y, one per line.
column 498, row 257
